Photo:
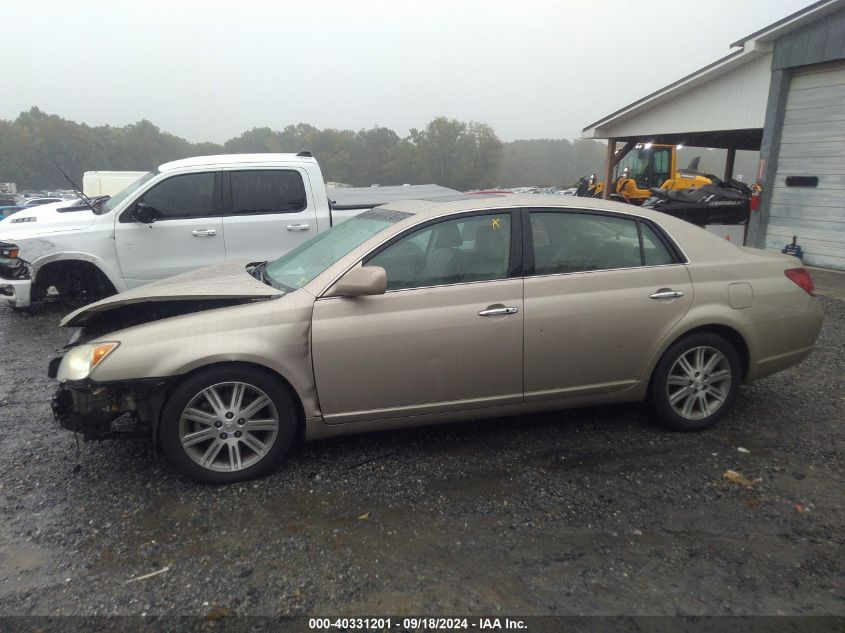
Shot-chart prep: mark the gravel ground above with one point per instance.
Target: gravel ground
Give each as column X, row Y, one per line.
column 594, row 511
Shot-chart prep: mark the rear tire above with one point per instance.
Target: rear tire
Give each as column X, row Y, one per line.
column 228, row 424
column 696, row 381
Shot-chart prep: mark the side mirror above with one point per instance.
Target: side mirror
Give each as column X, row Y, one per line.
column 360, row 282
column 145, row 214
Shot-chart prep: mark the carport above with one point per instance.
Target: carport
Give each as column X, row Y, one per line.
column 723, row 106
column 780, row 92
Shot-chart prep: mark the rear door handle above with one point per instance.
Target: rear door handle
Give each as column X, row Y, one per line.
column 497, row 311
column 204, row 233
column 666, row 293
column 297, row 227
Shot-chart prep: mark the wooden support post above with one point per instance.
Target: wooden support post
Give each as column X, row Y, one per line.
column 610, row 163
column 729, row 163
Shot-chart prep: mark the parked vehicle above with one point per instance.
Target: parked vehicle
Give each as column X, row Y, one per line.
column 186, row 214
column 641, row 167
column 422, row 312
column 723, row 202
column 108, row 183
column 28, row 203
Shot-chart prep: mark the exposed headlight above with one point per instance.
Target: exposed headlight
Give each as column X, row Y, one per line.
column 82, row 359
column 9, row 251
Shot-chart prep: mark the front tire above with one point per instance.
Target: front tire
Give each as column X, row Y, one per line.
column 228, row 424
column 695, row 383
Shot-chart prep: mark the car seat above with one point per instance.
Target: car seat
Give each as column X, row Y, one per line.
column 445, row 261
column 490, row 256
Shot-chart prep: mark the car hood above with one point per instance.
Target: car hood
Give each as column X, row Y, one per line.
column 229, row 282
column 46, row 219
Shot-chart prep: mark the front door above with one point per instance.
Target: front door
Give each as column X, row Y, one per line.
column 446, row 336
column 604, row 291
column 187, row 234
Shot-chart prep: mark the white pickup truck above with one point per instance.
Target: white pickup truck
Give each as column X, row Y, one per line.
column 186, row 214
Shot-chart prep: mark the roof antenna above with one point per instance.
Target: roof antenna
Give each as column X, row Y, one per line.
column 76, row 189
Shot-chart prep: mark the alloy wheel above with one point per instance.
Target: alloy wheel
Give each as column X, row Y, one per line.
column 228, row 426
column 699, row 383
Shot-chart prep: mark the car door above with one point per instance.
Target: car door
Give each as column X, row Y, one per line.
column 187, row 234
column 601, row 292
column 267, row 212
column 447, row 334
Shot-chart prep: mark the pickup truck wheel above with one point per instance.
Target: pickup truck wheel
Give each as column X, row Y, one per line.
column 228, row 424
column 76, row 283
column 695, row 383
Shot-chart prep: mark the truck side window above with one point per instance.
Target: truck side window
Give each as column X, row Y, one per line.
column 266, row 191
column 181, row 197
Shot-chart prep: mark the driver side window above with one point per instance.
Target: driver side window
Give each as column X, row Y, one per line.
column 474, row 248
column 182, row 197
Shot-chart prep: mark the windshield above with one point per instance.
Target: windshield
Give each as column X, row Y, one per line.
column 124, row 193
column 302, row 264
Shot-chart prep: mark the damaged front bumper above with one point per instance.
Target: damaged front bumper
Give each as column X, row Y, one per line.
column 15, row 278
column 100, row 411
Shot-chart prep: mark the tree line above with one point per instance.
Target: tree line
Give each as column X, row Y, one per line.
column 457, row 154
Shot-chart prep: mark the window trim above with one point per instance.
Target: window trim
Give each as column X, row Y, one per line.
column 228, row 203
column 674, row 250
column 515, row 270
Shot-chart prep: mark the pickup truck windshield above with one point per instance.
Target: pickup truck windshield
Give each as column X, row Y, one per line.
column 124, row 193
column 302, row 264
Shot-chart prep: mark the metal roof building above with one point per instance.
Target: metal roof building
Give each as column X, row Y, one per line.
column 782, row 92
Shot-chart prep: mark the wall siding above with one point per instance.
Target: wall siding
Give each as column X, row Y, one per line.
column 733, row 101
column 815, row 43
column 812, row 144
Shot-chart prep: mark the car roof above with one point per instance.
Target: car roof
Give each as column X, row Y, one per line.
column 475, row 202
column 237, row 159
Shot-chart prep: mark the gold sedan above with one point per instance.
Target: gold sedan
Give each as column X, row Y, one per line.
column 418, row 313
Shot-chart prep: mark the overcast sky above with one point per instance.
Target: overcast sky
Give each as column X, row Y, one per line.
column 209, row 69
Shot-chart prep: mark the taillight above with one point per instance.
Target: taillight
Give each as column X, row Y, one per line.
column 801, row 277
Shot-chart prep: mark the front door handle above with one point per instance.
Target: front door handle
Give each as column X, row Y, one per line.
column 297, row 227
column 497, row 311
column 204, row 233
column 666, row 293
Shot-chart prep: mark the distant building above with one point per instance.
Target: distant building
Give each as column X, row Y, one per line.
column 782, row 93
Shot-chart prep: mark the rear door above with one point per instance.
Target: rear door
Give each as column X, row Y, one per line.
column 187, row 235
column 601, row 292
column 267, row 212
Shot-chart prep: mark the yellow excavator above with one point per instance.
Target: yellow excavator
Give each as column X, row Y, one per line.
column 646, row 165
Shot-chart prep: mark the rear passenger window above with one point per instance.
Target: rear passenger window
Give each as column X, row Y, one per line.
column 267, row 191
column 575, row 242
column 475, row 248
column 654, row 250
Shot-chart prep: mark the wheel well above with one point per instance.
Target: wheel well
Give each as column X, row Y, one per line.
column 67, row 270
column 300, row 410
column 728, row 333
